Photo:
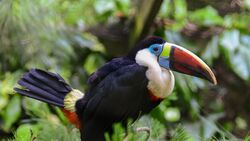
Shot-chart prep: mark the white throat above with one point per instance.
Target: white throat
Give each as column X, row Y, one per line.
column 161, row 81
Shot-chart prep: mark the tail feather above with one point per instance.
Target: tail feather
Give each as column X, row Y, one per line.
column 35, row 96
column 51, row 79
column 44, row 86
column 51, row 88
column 37, row 90
column 33, row 80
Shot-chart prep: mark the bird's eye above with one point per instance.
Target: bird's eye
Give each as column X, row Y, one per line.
column 155, row 49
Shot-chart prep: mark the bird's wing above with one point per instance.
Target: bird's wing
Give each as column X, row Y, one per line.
column 106, row 69
column 98, row 76
column 121, row 94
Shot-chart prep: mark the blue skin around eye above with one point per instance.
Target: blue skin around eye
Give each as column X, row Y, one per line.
column 163, row 61
column 159, row 46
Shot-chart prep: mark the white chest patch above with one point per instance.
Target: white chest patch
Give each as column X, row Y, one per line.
column 161, row 81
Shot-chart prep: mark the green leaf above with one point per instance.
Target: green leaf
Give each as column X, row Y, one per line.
column 118, row 135
column 123, row 6
column 206, row 16
column 230, row 39
column 135, row 131
column 246, row 4
column 241, row 123
column 93, row 62
column 180, row 8
column 237, row 21
column 157, row 129
column 182, row 86
column 181, row 135
column 240, row 62
column 212, row 50
column 104, row 6
column 36, row 108
column 12, row 112
column 206, row 127
column 172, row 114
column 247, row 138
column 25, row 132
column 8, row 82
column 236, row 51
column 49, row 130
column 166, row 8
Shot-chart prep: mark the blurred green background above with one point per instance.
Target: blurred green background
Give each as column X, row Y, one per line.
column 75, row 37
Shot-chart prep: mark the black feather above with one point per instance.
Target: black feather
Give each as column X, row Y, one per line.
column 106, row 69
column 122, row 94
column 44, row 86
column 144, row 44
column 35, row 96
column 51, row 80
column 32, row 80
column 36, row 90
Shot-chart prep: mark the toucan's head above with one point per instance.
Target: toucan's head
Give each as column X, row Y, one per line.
column 173, row 57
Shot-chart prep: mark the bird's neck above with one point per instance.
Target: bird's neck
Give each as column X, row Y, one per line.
column 161, row 81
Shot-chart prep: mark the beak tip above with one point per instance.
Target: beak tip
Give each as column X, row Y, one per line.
column 214, row 81
column 212, row 78
column 209, row 75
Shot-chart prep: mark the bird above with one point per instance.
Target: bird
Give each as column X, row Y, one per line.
column 124, row 88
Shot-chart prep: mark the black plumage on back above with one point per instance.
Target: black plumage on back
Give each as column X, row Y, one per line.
column 44, row 86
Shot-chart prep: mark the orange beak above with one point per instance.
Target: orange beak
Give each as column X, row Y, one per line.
column 184, row 61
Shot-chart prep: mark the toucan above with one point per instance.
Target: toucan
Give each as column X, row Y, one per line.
column 123, row 88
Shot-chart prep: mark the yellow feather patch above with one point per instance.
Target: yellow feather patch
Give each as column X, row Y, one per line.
column 71, row 98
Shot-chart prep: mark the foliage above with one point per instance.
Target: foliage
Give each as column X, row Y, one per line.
column 54, row 35
column 45, row 130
